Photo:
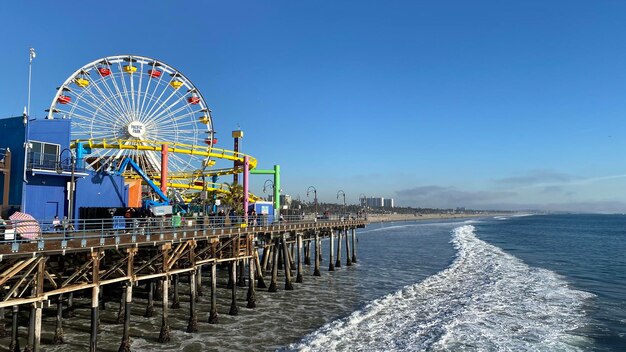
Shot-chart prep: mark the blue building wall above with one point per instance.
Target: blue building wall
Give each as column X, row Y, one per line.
column 46, row 194
column 12, row 136
column 101, row 190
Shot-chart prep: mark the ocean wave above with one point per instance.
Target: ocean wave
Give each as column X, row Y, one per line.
column 486, row 300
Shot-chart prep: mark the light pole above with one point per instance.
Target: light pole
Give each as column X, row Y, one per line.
column 71, row 191
column 344, row 199
column 265, row 186
column 314, row 198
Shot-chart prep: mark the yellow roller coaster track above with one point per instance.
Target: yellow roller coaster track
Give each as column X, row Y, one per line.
column 181, row 149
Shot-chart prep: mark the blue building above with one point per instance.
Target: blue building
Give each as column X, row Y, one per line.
column 43, row 166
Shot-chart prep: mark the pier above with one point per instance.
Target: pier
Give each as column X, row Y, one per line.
column 101, row 256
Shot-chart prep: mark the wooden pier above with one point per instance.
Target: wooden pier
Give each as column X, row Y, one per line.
column 47, row 272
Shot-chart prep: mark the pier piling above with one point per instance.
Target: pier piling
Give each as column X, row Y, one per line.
column 213, row 311
column 14, row 346
column 338, row 263
column 233, row 304
column 354, row 240
column 58, row 338
column 331, row 265
column 318, row 246
column 125, row 345
column 288, row 284
column 192, row 325
column 298, row 258
column 259, row 273
column 274, row 279
column 348, row 261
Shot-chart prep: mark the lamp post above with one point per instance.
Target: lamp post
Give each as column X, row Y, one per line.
column 265, row 186
column 344, row 199
column 71, row 191
column 314, row 198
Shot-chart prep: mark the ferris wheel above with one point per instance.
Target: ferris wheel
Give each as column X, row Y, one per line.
column 136, row 101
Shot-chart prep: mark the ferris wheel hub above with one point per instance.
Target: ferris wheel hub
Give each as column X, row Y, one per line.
column 136, row 129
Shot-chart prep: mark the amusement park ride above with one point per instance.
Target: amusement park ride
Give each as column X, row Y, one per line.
column 146, row 120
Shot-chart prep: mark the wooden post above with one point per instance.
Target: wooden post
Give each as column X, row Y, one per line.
column 128, row 295
column 150, row 307
column 279, row 251
column 307, row 251
column 338, row 263
column 175, row 298
column 213, row 313
column 320, row 252
column 125, row 345
column 291, row 263
column 192, row 325
column 241, row 278
column 95, row 305
column 267, row 254
column 233, row 304
column 316, row 271
column 348, row 261
column 38, row 306
column 331, row 265
column 298, row 258
column 259, row 273
column 3, row 330
column 274, row 278
column 121, row 313
column 288, row 284
column 69, row 311
column 164, row 335
column 14, row 346
column 58, row 331
column 30, row 341
column 354, row 240
column 199, row 282
column 251, row 292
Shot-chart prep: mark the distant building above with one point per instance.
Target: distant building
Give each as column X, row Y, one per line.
column 375, row 202
column 285, row 200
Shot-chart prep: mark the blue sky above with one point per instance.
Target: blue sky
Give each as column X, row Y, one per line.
column 482, row 104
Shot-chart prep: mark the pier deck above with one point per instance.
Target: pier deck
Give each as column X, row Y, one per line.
column 62, row 263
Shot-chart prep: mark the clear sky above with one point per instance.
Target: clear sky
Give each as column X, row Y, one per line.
column 481, row 104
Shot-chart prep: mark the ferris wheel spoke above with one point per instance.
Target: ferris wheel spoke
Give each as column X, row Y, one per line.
column 162, row 105
column 115, row 85
column 179, row 164
column 104, row 112
column 175, row 117
column 139, row 92
column 152, row 103
column 111, row 95
column 174, row 114
column 164, row 109
column 150, row 96
column 126, row 95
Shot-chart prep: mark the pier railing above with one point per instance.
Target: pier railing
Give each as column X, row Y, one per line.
column 26, row 236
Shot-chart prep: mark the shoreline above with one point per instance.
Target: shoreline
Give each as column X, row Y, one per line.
column 374, row 218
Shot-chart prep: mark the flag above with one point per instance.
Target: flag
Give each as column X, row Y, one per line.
column 32, row 54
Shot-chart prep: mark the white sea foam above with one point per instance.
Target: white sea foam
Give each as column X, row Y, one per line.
column 486, row 300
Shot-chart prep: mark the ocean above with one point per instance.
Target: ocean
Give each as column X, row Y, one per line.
column 524, row 283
